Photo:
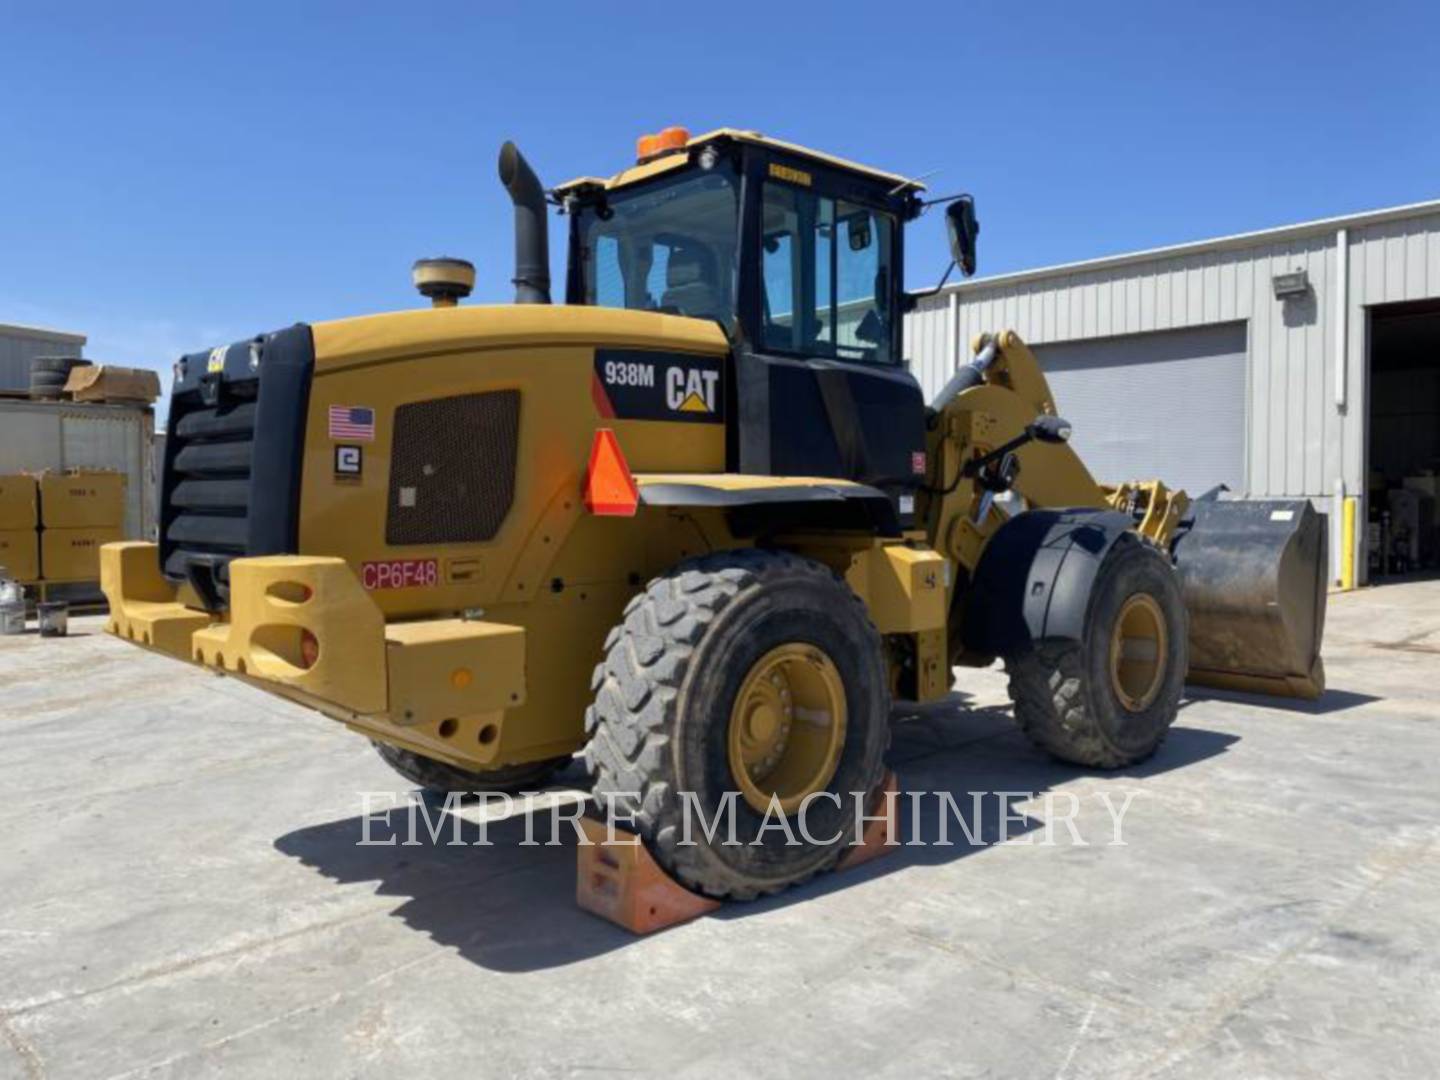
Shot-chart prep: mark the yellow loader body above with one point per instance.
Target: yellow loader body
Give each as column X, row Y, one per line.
column 389, row 518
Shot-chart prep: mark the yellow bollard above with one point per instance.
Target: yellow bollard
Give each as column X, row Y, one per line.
column 1347, row 544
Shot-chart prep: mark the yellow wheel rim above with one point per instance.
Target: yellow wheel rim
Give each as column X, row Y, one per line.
column 1138, row 648
column 787, row 727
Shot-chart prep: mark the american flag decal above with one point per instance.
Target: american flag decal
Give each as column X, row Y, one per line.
column 352, row 422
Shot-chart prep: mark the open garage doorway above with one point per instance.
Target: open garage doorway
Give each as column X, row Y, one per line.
column 1404, row 439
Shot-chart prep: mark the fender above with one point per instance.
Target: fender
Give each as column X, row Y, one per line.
column 1034, row 579
column 757, row 505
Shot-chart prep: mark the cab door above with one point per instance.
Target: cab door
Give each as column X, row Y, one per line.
column 820, row 386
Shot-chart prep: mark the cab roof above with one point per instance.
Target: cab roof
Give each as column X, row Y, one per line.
column 674, row 159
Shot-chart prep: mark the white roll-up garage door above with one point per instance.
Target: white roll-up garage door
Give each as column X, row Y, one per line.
column 1167, row 406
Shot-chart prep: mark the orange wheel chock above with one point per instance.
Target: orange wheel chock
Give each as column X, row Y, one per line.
column 617, row 879
column 882, row 835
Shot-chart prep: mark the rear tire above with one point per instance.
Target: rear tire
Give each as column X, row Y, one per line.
column 440, row 777
column 664, row 719
column 1087, row 702
column 49, row 374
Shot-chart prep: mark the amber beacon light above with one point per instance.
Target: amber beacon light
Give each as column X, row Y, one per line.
column 668, row 141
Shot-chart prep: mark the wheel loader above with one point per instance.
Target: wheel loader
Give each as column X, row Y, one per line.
column 697, row 522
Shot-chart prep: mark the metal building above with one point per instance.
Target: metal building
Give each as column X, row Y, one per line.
column 20, row 344
column 36, row 436
column 1302, row 361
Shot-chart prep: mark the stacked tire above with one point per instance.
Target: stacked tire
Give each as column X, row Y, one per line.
column 48, row 375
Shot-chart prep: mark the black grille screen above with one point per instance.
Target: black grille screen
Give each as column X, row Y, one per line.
column 231, row 475
column 452, row 468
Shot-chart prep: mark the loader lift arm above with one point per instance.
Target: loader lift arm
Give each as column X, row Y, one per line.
column 1256, row 606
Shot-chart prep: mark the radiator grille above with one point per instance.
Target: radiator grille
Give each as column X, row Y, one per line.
column 452, row 468
column 208, row 486
column 230, row 485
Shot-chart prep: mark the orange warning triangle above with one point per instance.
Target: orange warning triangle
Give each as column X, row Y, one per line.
column 609, row 487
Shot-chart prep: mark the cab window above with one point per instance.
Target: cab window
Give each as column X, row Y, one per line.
column 826, row 269
column 666, row 247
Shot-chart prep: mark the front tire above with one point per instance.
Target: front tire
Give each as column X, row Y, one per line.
column 752, row 662
column 1108, row 700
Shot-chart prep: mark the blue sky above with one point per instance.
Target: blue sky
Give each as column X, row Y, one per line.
column 173, row 177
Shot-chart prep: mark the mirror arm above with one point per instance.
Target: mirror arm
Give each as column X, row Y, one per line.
column 927, row 203
column 921, row 294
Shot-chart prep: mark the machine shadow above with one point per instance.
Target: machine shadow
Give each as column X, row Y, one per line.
column 510, row 906
column 1330, row 701
column 939, row 751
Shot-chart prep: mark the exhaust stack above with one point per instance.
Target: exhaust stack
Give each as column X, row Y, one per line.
column 532, row 244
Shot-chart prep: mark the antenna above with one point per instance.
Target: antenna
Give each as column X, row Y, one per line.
column 915, row 182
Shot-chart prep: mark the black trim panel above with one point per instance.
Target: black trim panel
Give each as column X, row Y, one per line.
column 232, row 471
column 287, row 362
column 641, row 384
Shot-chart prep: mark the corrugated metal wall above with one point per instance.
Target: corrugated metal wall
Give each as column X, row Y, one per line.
column 20, row 344
column 1299, row 442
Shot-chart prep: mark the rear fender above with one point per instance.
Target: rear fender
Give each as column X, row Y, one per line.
column 764, row 505
column 1034, row 579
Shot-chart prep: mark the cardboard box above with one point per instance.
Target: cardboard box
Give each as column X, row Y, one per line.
column 73, row 554
column 81, row 499
column 106, row 382
column 20, row 554
column 18, row 506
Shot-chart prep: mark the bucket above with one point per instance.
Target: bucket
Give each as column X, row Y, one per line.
column 54, row 618
column 12, row 617
column 1255, row 575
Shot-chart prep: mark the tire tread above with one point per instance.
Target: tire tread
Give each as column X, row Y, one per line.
column 631, row 722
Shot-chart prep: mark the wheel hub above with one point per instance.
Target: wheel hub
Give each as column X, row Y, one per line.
column 1138, row 651
column 787, row 727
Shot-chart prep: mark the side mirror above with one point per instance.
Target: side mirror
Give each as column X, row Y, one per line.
column 964, row 228
column 857, row 230
column 1049, row 429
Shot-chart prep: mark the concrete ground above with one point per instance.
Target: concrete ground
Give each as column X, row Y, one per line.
column 181, row 893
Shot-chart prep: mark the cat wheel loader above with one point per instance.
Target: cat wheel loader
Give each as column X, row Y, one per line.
column 697, row 521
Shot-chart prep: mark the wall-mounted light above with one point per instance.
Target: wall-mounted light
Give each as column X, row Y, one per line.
column 1290, row 285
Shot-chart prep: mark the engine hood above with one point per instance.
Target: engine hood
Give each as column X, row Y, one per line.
column 367, row 339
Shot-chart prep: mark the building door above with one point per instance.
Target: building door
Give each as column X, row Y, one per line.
column 1404, row 438
column 1169, row 405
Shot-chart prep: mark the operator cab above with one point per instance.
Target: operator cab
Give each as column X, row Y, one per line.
column 799, row 257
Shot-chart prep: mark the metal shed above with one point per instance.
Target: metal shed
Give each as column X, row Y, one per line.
column 1248, row 359
column 20, row 344
column 36, row 436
